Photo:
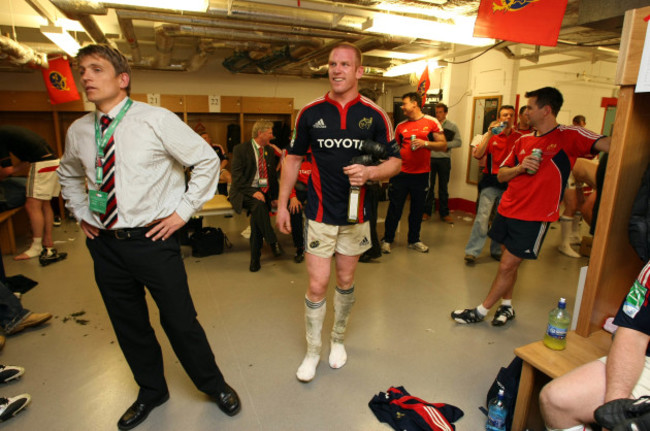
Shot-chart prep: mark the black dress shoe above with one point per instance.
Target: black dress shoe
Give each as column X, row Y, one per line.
column 138, row 412
column 300, row 255
column 277, row 250
column 255, row 264
column 228, row 401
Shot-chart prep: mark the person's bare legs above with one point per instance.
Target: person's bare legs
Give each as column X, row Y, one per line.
column 343, row 302
column 318, row 269
column 504, row 282
column 37, row 218
column 570, row 400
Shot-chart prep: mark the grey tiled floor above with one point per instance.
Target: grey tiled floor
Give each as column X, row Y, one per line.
column 400, row 333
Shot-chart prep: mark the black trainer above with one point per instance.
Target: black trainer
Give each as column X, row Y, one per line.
column 503, row 314
column 468, row 315
column 9, row 407
column 51, row 256
column 10, row 372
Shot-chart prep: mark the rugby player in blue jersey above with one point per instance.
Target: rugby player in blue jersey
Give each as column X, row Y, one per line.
column 334, row 127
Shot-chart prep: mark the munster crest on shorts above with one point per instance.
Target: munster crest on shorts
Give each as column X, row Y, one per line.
column 365, row 123
column 314, row 244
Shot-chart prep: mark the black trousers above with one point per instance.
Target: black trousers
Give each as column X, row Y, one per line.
column 261, row 228
column 440, row 167
column 399, row 188
column 373, row 191
column 123, row 267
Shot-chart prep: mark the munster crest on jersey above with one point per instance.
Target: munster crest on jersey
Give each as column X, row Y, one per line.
column 365, row 123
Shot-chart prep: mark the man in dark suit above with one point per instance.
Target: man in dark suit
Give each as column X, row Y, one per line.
column 254, row 186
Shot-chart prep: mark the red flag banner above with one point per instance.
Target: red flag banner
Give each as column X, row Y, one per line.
column 59, row 82
column 536, row 22
column 424, row 84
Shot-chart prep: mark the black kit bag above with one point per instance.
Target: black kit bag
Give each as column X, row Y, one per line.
column 208, row 241
column 508, row 380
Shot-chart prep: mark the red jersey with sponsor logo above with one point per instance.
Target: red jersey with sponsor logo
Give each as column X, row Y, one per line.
column 416, row 162
column 498, row 149
column 335, row 133
column 537, row 197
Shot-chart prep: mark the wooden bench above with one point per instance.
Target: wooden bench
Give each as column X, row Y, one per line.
column 218, row 205
column 7, row 234
column 542, row 364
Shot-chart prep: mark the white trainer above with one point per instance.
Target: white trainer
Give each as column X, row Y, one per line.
column 385, row 247
column 419, row 246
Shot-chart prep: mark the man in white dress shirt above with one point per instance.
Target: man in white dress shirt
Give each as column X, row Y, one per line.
column 131, row 157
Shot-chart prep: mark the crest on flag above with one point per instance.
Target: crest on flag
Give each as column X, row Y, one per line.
column 59, row 81
column 536, row 22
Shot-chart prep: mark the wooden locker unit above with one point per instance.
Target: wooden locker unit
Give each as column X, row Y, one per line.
column 614, row 265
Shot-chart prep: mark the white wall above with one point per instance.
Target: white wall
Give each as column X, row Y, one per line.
column 583, row 86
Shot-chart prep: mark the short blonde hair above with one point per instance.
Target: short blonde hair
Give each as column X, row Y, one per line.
column 357, row 52
column 260, row 126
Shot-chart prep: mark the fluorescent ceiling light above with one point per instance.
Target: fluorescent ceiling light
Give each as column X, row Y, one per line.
column 69, row 24
column 460, row 32
column 416, row 67
column 62, row 39
column 187, row 5
column 392, row 54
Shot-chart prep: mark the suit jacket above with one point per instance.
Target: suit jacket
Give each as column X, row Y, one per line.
column 244, row 169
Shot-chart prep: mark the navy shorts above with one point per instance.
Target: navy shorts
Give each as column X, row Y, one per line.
column 520, row 237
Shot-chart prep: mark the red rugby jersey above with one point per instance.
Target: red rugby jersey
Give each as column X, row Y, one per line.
column 537, row 197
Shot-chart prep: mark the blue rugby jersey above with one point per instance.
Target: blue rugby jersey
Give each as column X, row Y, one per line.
column 334, row 134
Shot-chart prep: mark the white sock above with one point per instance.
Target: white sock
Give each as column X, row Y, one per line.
column 35, row 249
column 482, row 310
column 506, row 302
column 314, row 317
column 343, row 301
column 565, row 246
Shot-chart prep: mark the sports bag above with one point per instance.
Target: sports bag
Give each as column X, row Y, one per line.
column 208, row 241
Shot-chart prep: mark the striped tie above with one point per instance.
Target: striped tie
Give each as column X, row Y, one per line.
column 109, row 218
column 261, row 166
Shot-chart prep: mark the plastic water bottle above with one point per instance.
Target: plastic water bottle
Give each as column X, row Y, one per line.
column 497, row 413
column 499, row 127
column 558, row 325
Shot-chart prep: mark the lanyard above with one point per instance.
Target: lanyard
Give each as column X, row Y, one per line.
column 101, row 141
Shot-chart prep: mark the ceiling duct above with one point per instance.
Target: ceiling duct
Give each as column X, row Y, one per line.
column 174, row 30
column 81, row 10
column 237, row 62
column 20, row 54
column 164, row 46
column 233, row 24
column 128, row 31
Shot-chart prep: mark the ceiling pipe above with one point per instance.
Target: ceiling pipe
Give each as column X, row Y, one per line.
column 174, row 30
column 320, row 57
column 239, row 45
column 21, row 54
column 232, row 24
column 164, row 46
column 128, row 31
column 81, row 10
